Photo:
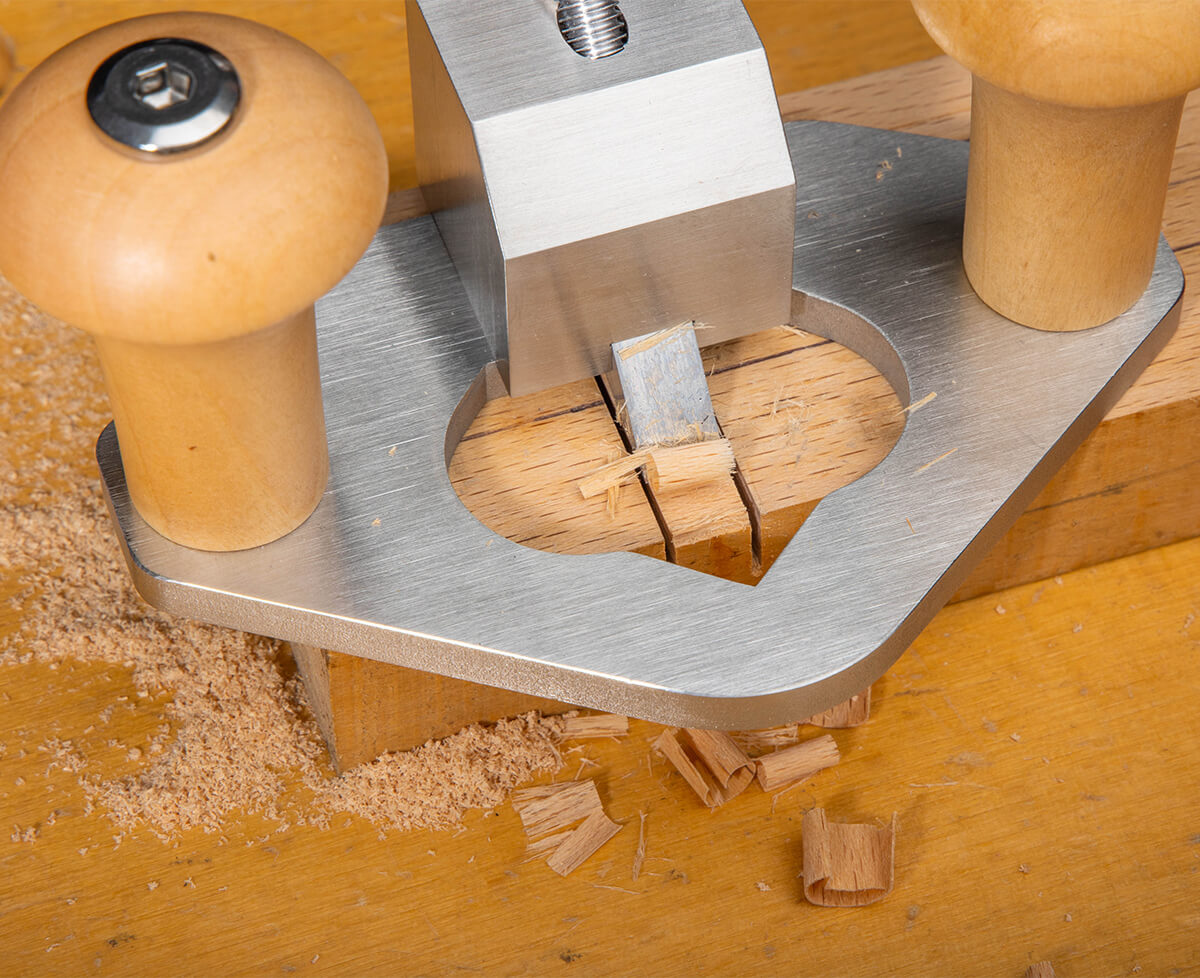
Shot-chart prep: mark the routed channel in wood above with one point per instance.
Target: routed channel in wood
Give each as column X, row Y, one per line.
column 804, row 414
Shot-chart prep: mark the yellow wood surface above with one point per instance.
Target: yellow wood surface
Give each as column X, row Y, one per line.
column 1040, row 761
column 1036, row 744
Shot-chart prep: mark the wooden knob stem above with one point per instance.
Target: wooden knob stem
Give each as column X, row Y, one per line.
column 1074, row 114
column 196, row 270
column 223, row 443
column 1064, row 205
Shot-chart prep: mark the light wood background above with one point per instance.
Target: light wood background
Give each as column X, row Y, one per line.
column 1038, row 745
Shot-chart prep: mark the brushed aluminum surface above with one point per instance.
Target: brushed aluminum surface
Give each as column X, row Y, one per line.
column 588, row 201
column 392, row 565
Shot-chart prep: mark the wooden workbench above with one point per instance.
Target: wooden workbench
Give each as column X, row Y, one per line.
column 1037, row 744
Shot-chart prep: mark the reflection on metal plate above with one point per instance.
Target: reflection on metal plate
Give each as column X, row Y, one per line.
column 431, row 587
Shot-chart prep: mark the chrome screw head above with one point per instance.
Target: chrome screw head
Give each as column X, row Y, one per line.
column 164, row 96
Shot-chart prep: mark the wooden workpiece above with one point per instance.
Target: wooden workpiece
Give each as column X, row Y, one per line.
column 1020, row 740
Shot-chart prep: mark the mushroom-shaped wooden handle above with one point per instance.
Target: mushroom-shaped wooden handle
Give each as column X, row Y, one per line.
column 1074, row 115
column 184, row 187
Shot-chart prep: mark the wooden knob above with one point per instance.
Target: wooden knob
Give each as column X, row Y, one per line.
column 186, row 204
column 1074, row 115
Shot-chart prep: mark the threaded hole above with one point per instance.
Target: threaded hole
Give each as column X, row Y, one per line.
column 593, row 28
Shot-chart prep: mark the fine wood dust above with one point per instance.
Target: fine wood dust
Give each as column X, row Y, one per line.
column 240, row 738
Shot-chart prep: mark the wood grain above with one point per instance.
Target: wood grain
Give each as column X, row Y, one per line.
column 234, row 235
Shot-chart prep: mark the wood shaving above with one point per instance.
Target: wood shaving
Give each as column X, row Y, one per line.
column 942, row 457
column 1040, row 969
column 611, row 476
column 847, row 864
column 850, row 713
column 540, row 848
column 550, row 811
column 792, row 764
column 595, row 830
column 238, row 737
column 669, row 468
column 595, row 727
column 709, row 761
column 917, row 405
column 549, row 808
column 772, row 738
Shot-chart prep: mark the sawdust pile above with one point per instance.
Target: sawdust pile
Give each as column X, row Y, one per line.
column 238, row 737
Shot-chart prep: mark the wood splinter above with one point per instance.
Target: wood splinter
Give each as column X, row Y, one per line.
column 847, row 865
column 1040, row 969
column 709, row 761
column 792, row 764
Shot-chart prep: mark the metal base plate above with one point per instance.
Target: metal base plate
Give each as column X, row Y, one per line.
column 432, row 588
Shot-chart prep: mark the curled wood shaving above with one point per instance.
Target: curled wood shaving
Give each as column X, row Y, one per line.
column 851, row 713
column 595, row 727
column 792, row 764
column 845, row 864
column 709, row 761
column 717, row 751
